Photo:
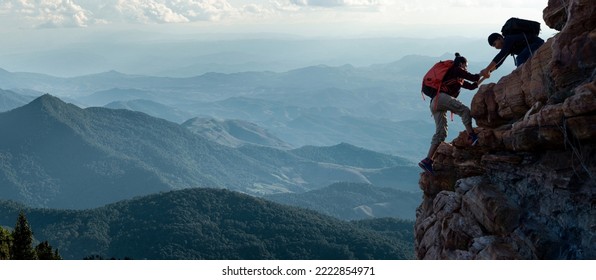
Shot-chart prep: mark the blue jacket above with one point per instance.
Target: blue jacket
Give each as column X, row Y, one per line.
column 513, row 44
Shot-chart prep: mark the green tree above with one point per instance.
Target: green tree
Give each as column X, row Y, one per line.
column 45, row 251
column 5, row 244
column 22, row 239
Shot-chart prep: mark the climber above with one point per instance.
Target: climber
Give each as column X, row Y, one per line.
column 523, row 45
column 446, row 100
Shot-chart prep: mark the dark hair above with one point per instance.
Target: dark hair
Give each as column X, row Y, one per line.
column 493, row 37
column 459, row 59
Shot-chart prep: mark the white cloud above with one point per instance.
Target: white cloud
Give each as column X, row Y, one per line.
column 322, row 14
column 62, row 13
column 335, row 3
column 81, row 13
column 145, row 12
column 260, row 11
column 496, row 4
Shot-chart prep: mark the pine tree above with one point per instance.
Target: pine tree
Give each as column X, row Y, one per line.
column 22, row 248
column 44, row 251
column 5, row 244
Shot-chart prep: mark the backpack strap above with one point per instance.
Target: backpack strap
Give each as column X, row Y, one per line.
column 528, row 44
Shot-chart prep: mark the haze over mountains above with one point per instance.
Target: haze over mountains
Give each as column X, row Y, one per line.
column 377, row 107
column 178, row 55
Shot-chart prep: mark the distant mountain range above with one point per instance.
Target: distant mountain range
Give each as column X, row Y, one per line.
column 234, row 133
column 173, row 55
column 378, row 107
column 354, row 201
column 55, row 154
column 10, row 100
column 211, row 224
column 151, row 108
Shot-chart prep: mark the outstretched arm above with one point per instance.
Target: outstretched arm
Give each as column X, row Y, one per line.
column 464, row 74
column 470, row 86
column 486, row 71
column 508, row 42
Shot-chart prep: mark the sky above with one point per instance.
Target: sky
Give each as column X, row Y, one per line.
column 39, row 35
column 305, row 17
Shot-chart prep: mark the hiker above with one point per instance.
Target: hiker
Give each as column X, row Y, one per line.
column 524, row 45
column 446, row 100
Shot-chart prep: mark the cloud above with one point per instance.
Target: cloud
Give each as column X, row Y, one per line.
column 82, row 13
column 47, row 13
column 335, row 3
column 513, row 4
column 26, row 14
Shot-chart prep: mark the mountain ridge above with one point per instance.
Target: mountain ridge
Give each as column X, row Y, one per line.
column 55, row 151
column 234, row 133
column 355, row 201
column 344, row 153
column 207, row 224
column 106, row 151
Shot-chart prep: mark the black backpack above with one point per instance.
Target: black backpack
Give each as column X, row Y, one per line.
column 518, row 26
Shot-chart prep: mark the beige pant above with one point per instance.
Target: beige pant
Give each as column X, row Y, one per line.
column 439, row 107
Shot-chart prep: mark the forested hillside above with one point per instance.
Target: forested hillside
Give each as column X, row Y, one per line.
column 211, row 224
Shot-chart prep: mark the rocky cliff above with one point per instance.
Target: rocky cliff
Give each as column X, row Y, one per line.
column 528, row 190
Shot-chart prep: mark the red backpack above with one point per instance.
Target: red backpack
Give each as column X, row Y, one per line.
column 431, row 83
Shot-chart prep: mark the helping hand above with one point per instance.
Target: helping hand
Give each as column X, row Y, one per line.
column 485, row 73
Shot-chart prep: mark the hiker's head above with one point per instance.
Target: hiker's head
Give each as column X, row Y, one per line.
column 495, row 40
column 460, row 61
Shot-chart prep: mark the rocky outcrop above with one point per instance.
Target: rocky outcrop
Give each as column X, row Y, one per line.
column 528, row 190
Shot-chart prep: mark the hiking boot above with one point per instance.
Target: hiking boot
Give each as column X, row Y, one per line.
column 427, row 165
column 473, row 138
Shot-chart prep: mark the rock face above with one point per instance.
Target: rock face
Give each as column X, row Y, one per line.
column 528, row 190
